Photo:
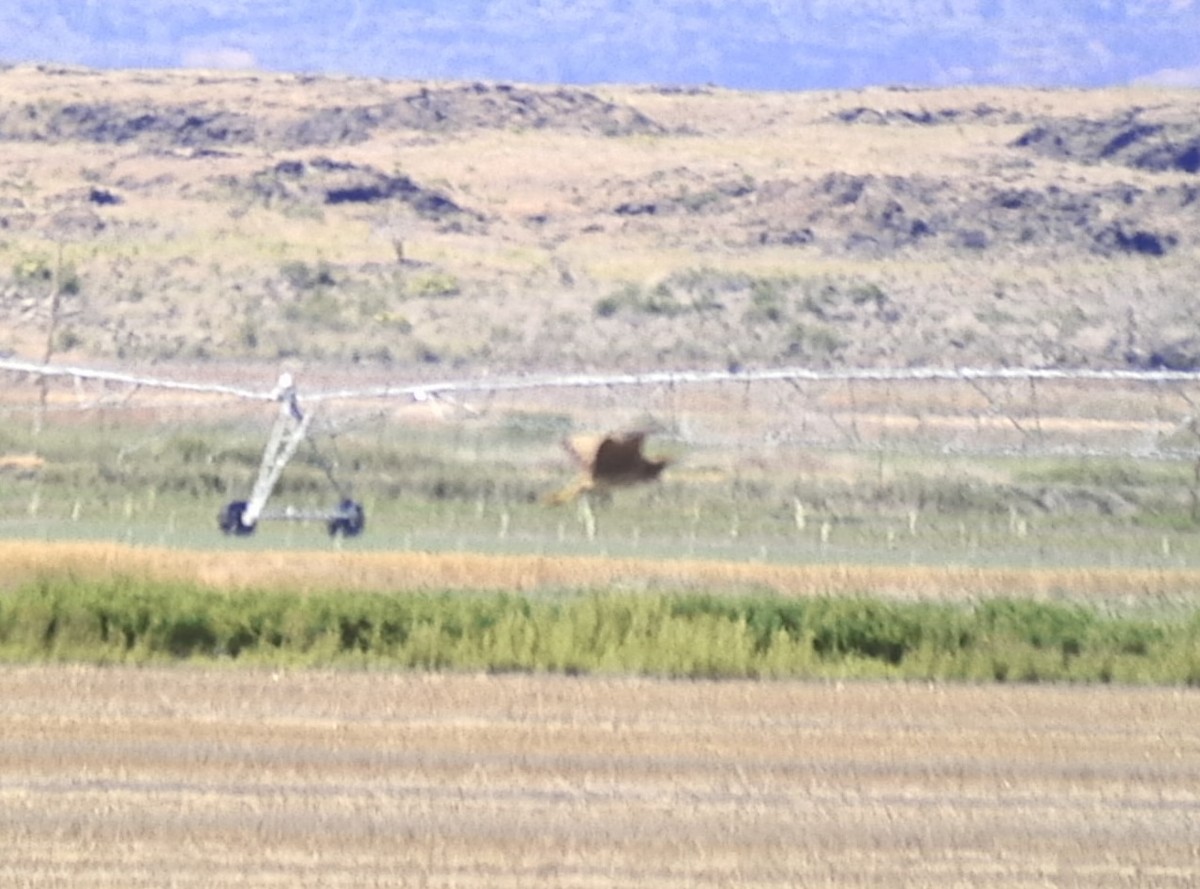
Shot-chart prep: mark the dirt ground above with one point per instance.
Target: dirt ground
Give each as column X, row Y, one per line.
column 188, row 777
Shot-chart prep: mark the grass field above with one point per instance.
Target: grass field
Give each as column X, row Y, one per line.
column 1063, row 476
column 115, row 605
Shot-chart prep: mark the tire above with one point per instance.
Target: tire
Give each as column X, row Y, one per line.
column 349, row 521
column 229, row 520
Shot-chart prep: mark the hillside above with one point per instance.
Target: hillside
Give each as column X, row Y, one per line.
column 493, row 227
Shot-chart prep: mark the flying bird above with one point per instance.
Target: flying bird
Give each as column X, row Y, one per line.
column 608, row 461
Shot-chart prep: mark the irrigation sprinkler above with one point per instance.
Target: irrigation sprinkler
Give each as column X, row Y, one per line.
column 240, row 518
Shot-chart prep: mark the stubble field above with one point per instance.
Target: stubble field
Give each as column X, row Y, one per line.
column 188, row 777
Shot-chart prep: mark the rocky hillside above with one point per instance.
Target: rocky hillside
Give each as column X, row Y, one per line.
column 154, row 216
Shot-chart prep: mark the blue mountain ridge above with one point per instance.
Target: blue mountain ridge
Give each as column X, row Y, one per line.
column 757, row 44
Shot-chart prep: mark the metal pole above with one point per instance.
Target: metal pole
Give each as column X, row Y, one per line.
column 289, row 430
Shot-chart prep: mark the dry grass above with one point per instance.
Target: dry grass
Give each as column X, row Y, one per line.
column 202, row 252
column 21, row 561
column 135, row 778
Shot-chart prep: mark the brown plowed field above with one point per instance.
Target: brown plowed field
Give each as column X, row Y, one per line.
column 188, row 777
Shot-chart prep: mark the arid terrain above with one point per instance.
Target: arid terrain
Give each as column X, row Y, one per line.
column 151, row 216
column 115, row 777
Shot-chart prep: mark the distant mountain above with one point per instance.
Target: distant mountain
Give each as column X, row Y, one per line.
column 747, row 44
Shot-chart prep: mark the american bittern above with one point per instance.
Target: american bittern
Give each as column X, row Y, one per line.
column 608, row 461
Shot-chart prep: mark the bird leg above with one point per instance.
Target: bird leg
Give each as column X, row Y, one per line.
column 587, row 516
column 570, row 492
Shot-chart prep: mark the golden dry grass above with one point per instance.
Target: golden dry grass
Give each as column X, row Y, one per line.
column 310, row 571
column 149, row 777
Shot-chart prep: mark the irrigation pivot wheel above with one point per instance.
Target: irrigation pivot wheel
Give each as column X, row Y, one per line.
column 349, row 519
column 291, row 427
column 230, row 519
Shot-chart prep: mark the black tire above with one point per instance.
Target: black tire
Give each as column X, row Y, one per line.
column 229, row 520
column 350, row 520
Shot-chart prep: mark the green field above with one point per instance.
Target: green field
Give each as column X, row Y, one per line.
column 699, row 634
column 156, row 472
column 876, row 558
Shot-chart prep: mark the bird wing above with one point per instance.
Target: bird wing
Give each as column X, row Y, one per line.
column 584, row 448
column 618, row 455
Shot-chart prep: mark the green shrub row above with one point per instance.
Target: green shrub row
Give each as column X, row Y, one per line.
column 657, row 634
